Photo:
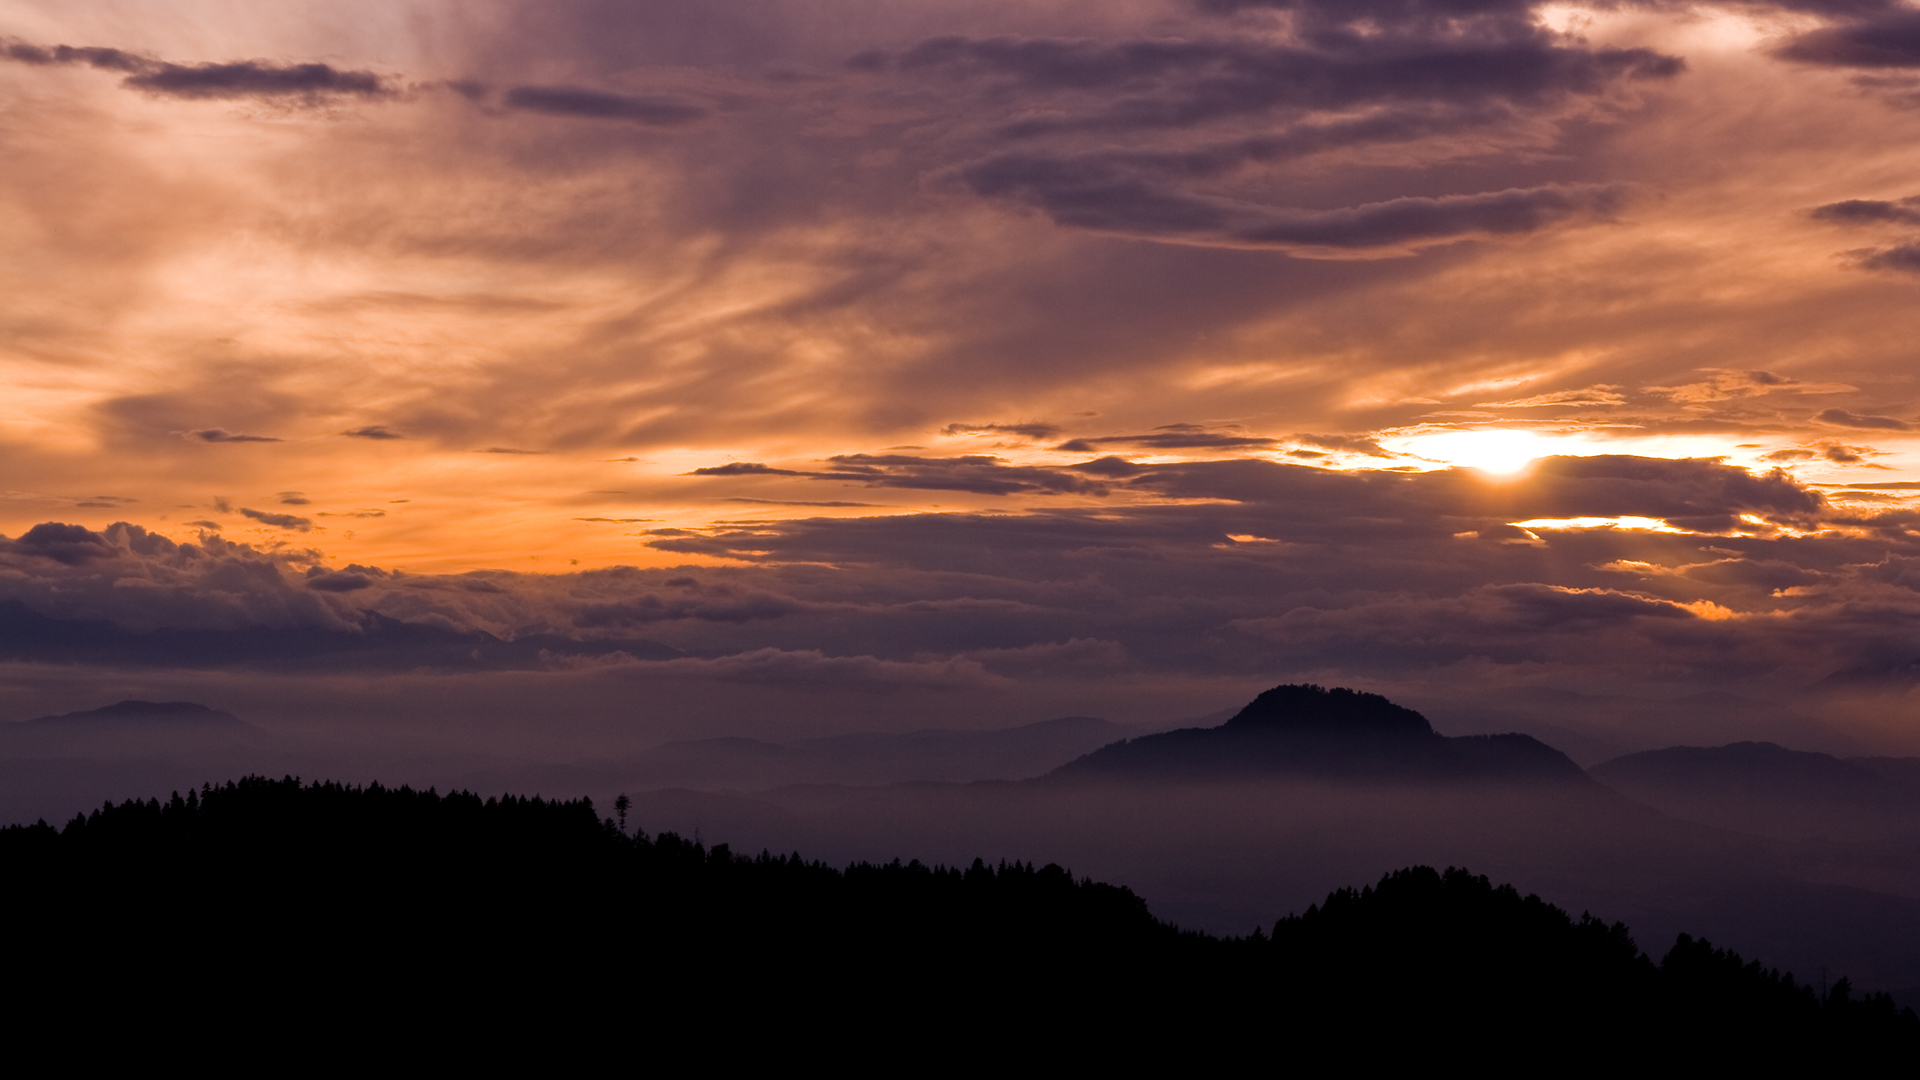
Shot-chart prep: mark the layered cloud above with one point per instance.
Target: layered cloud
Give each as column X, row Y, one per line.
column 1665, row 573
column 948, row 336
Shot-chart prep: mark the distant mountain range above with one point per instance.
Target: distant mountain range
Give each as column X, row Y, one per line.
column 1806, row 859
column 1762, row 788
column 1311, row 731
column 143, row 715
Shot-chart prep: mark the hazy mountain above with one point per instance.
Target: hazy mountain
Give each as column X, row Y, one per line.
column 144, row 715
column 1769, row 790
column 1310, row 731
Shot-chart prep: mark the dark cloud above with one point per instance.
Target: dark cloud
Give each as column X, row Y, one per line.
column 257, row 79
column 105, row 59
column 1025, row 430
column 977, row 473
column 1904, row 258
column 657, row 110
column 1115, row 468
column 1886, row 39
column 1178, row 137
column 1172, row 440
column 279, row 521
column 507, row 450
column 1865, row 211
column 339, row 582
column 1179, row 82
column 69, row 544
column 1843, row 418
column 723, row 608
column 373, row 431
column 1082, row 194
column 221, row 435
column 240, row 79
column 294, row 498
column 744, row 468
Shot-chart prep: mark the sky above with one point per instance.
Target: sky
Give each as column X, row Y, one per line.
column 575, row 371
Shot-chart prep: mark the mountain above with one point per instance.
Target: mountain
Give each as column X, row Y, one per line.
column 144, row 715
column 1306, row 730
column 1769, row 790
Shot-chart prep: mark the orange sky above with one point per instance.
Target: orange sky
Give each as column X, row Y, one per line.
column 626, row 303
column 437, row 287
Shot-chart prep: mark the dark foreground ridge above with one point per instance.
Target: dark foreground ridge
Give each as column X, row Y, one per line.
column 1340, row 733
column 336, row 918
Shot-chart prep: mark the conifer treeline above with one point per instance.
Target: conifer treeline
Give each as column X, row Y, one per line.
column 383, row 912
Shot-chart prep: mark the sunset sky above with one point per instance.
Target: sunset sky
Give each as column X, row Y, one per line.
column 882, row 363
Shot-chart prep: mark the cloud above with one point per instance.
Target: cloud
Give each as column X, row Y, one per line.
column 978, row 473
column 656, row 110
column 1605, row 396
column 294, row 498
column 1366, row 572
column 253, row 78
column 1182, row 137
column 507, row 450
column 1083, row 195
column 744, row 468
column 339, row 582
column 1024, row 430
column 794, row 502
column 1904, row 258
column 1730, row 384
column 1886, row 39
column 279, row 521
column 1358, row 444
column 1172, row 440
column 1843, row 418
column 68, row 544
column 240, row 79
column 373, row 431
column 1870, row 211
column 221, row 435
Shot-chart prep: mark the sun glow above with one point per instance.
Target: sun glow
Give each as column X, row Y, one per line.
column 1643, row 524
column 1501, row 451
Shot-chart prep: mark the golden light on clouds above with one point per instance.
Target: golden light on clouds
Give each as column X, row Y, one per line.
column 862, row 288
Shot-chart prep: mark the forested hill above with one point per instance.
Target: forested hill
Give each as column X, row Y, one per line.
column 295, row 909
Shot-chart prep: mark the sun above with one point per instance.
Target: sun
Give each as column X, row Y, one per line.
column 1500, row 451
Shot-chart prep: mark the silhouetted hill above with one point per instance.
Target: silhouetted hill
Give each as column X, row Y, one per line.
column 1763, row 788
column 1339, row 733
column 337, row 919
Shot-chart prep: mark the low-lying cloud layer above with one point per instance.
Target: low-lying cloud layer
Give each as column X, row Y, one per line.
column 1599, row 572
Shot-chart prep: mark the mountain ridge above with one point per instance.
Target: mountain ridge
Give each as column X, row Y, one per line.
column 1308, row 730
